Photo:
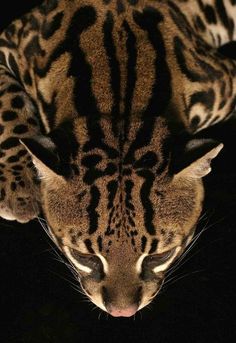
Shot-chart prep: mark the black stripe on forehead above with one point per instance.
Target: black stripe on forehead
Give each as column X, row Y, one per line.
column 131, row 73
column 110, row 48
column 112, row 187
column 148, row 21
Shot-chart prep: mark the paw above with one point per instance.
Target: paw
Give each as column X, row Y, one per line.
column 19, row 201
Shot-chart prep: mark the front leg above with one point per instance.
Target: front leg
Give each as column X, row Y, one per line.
column 19, row 189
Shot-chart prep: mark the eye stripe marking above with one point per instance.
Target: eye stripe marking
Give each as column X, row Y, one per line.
column 104, row 262
column 139, row 263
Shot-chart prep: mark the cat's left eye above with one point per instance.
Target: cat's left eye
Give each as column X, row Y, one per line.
column 88, row 263
column 91, row 261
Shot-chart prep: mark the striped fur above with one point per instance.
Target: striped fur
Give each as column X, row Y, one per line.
column 96, row 94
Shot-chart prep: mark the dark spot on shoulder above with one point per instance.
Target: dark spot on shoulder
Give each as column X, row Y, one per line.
column 9, row 115
column 2, row 194
column 20, row 129
column 1, row 129
column 27, row 78
column 17, row 167
column 22, row 184
column 13, row 186
column 10, row 143
column 13, row 159
column 32, row 121
column 17, row 102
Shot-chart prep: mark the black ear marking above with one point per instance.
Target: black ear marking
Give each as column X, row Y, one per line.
column 43, row 152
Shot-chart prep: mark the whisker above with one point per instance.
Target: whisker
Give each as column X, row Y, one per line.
column 176, row 278
column 178, row 263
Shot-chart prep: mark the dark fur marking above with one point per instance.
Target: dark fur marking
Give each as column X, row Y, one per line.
column 14, row 66
column 128, row 190
column 208, row 12
column 1, row 129
column 49, row 158
column 131, row 74
column 22, row 184
column 161, row 90
column 228, row 24
column 153, row 246
column 91, row 160
column 48, row 6
column 13, row 186
column 200, row 24
column 27, row 78
column 120, row 6
column 99, row 242
column 113, row 64
column 13, row 159
column 180, row 20
column 2, row 194
column 17, row 167
column 148, row 160
column 20, row 129
column 32, row 121
column 88, row 245
column 10, row 143
column 206, row 98
column 17, row 102
column 9, row 115
column 112, row 187
column 49, row 28
column 33, row 48
column 91, row 209
column 147, row 204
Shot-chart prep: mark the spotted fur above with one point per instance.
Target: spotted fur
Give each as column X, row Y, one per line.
column 98, row 94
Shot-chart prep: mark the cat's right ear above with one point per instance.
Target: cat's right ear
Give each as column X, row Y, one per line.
column 197, row 157
column 44, row 155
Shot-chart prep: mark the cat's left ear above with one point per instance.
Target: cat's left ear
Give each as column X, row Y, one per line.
column 44, row 155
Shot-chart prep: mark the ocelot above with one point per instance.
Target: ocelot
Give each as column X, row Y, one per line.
column 99, row 104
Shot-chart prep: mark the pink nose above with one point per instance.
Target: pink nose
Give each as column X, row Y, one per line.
column 127, row 312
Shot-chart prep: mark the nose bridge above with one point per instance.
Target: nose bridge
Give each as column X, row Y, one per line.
column 122, row 291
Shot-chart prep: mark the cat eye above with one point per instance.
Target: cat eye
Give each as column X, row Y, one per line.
column 151, row 262
column 158, row 259
column 91, row 261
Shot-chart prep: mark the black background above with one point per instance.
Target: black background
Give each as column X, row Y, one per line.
column 39, row 305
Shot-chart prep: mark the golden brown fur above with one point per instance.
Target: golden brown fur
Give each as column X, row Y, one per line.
column 96, row 93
